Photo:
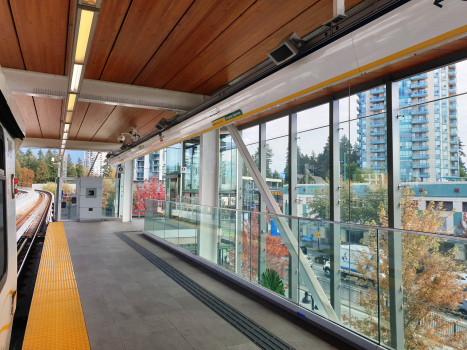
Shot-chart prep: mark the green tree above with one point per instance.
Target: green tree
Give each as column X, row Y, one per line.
column 107, row 169
column 307, row 178
column 79, row 168
column 255, row 156
column 20, row 157
column 42, row 173
column 40, row 156
column 462, row 168
column 71, row 171
column 30, row 160
column 51, row 158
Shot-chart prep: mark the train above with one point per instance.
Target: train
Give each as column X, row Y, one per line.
column 12, row 132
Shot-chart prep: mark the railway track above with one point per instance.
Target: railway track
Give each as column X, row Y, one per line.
column 31, row 223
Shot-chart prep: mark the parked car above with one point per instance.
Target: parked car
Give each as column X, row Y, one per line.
column 463, row 280
column 463, row 306
column 321, row 259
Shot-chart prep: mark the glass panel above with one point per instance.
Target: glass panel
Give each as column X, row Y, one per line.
column 187, row 226
column 227, row 172
column 313, row 118
column 191, row 160
column 110, row 198
column 173, row 158
column 172, row 215
column 159, row 218
column 313, row 173
column 244, row 252
column 226, row 240
column 250, row 135
column 277, row 166
column 277, row 128
column 149, row 216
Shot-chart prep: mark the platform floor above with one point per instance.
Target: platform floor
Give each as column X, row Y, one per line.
column 128, row 303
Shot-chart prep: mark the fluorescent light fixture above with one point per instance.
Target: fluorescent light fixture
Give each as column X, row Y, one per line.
column 65, row 136
column 76, row 77
column 71, row 102
column 68, row 117
column 63, row 143
column 85, row 24
column 89, row 2
column 66, row 128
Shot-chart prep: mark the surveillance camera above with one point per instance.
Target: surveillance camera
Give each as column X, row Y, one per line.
column 121, row 139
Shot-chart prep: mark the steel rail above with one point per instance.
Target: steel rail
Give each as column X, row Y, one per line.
column 43, row 216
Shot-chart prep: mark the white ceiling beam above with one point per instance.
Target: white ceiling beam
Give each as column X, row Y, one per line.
column 23, row 82
column 72, row 145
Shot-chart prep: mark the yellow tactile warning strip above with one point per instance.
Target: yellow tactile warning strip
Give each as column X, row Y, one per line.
column 56, row 319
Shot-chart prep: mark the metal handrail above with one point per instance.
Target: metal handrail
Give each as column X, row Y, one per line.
column 366, row 227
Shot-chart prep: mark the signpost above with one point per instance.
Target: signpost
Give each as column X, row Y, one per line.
column 319, row 236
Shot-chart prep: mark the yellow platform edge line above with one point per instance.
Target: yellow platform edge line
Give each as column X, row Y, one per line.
column 56, row 319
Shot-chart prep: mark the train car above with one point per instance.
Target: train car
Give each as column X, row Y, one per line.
column 12, row 132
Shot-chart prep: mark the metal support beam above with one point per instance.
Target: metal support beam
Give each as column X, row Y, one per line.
column 288, row 237
column 263, row 166
column 23, row 82
column 396, row 295
column 71, row 145
column 338, row 8
column 335, row 210
column 239, row 218
column 292, row 205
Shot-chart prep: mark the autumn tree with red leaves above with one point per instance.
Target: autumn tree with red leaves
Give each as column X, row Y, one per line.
column 149, row 189
column 276, row 254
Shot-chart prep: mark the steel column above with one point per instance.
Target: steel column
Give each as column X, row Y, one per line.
column 292, row 205
column 239, row 218
column 289, row 239
column 334, row 198
column 263, row 167
column 396, row 296
column 128, row 190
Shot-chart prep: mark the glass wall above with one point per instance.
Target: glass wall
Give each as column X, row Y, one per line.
column 190, row 175
column 110, row 198
column 250, row 193
column 227, row 172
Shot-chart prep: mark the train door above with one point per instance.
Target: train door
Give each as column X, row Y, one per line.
column 172, row 189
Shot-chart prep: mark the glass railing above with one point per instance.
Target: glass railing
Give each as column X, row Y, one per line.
column 110, row 198
column 381, row 281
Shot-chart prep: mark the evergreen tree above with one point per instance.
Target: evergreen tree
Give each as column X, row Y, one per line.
column 79, row 168
column 50, row 158
column 107, row 169
column 307, row 178
column 462, row 168
column 30, row 160
column 71, row 171
column 40, row 156
column 20, row 157
column 42, row 173
column 18, row 174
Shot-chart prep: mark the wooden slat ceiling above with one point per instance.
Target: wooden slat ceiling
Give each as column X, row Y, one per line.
column 187, row 45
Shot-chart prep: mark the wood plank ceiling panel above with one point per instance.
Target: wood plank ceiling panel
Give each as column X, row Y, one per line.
column 119, row 116
column 49, row 111
column 10, row 52
column 78, row 117
column 28, row 111
column 399, row 66
column 95, row 116
column 141, row 118
column 303, row 24
column 145, row 28
column 69, row 35
column 254, row 26
column 149, row 127
column 110, row 20
column 351, row 3
column 202, row 23
column 42, row 32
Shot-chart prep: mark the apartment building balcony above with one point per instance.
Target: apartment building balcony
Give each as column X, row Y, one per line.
column 421, row 157
column 452, row 90
column 419, row 129
column 454, row 149
column 378, row 133
column 452, row 106
column 452, row 72
column 453, row 124
column 453, row 141
column 378, row 90
column 378, row 116
column 452, row 80
column 419, row 111
column 421, row 175
column 453, row 167
column 420, row 166
column 377, row 108
column 453, row 132
column 359, row 138
column 377, row 158
column 378, row 167
column 377, row 142
column 360, row 122
column 377, row 150
column 359, row 101
column 420, row 148
column 377, row 99
column 419, row 121
column 376, row 125
column 359, row 131
column 418, row 85
column 358, row 146
column 419, row 94
column 420, row 76
column 359, row 108
column 420, row 138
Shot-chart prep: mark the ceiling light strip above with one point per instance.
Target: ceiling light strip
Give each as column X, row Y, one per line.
column 86, row 15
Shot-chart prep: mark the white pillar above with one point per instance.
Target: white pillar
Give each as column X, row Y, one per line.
column 209, row 195
column 128, row 191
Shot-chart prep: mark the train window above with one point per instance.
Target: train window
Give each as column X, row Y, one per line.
column 3, row 230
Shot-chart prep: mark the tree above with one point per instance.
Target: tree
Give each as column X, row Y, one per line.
column 51, row 158
column 42, row 172
column 255, row 156
column 431, row 286
column 27, row 176
column 18, row 174
column 462, row 168
column 49, row 186
column 40, row 156
column 355, row 208
column 30, row 161
column 107, row 169
column 79, row 168
column 270, row 279
column 71, row 171
column 307, row 178
column 150, row 189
